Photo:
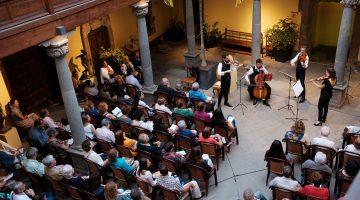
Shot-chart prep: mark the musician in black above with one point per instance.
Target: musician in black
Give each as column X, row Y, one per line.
column 250, row 79
column 329, row 80
column 301, row 61
column 224, row 71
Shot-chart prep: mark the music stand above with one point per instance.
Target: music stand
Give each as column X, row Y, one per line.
column 240, row 103
column 297, row 92
column 288, row 105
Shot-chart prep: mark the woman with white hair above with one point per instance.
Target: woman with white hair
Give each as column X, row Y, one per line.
column 51, row 169
column 250, row 195
column 324, row 139
column 73, row 180
column 319, row 163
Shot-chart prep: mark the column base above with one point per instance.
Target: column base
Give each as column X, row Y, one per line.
column 338, row 98
column 192, row 60
column 77, row 158
column 207, row 76
column 149, row 89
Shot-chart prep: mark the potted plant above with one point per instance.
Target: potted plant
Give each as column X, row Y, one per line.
column 282, row 37
column 211, row 35
column 175, row 32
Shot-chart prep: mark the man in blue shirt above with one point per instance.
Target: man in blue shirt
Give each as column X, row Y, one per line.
column 37, row 132
column 185, row 132
column 195, row 93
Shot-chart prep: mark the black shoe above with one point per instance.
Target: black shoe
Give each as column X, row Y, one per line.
column 227, row 104
column 302, row 100
column 266, row 103
column 318, row 123
column 255, row 102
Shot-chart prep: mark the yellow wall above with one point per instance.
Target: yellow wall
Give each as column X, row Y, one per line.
column 123, row 21
column 240, row 18
column 75, row 46
column 4, row 94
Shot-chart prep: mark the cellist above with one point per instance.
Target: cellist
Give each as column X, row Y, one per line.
column 250, row 79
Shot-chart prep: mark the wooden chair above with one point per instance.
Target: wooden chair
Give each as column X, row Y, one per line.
column 308, row 175
column 145, row 112
column 90, row 196
column 126, row 128
column 329, row 152
column 75, row 193
column 223, row 132
column 57, row 188
column 343, row 157
column 281, row 193
column 189, row 79
column 132, row 90
column 138, row 130
column 144, row 154
column 185, row 143
column 213, row 150
column 180, row 99
column 145, row 187
column 173, row 195
column 275, row 166
column 160, row 94
column 62, row 134
column 123, row 105
column 104, row 145
column 93, row 167
column 166, row 118
column 349, row 139
column 37, row 183
column 195, row 102
column 171, row 165
column 201, row 175
column 200, row 124
column 124, row 151
column 162, row 136
column 341, row 186
column 122, row 177
column 295, row 147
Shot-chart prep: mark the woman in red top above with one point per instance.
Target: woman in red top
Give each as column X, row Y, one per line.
column 315, row 190
column 206, row 136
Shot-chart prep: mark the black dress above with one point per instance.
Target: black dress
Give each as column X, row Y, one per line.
column 325, row 96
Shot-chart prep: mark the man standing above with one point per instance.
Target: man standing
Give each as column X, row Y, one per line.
column 224, row 71
column 301, row 61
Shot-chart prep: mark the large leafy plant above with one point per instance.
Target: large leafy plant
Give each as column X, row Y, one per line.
column 211, row 34
column 116, row 53
column 283, row 34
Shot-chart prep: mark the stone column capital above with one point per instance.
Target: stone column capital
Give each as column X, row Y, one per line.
column 141, row 8
column 350, row 3
column 57, row 47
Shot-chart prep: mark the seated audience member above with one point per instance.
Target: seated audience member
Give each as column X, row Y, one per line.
column 51, row 169
column 160, row 105
column 55, row 143
column 72, row 180
column 350, row 171
column 113, row 193
column 122, row 140
column 75, row 80
column 105, row 72
column 119, row 89
column 297, row 133
column 145, row 174
column 104, row 91
column 285, row 181
column 20, row 120
column 318, row 164
column 201, row 160
column 131, row 80
column 196, row 94
column 185, row 132
column 206, row 136
column 8, row 159
column 91, row 110
column 89, row 129
column 103, row 111
column 354, row 148
column 64, row 124
column 219, row 120
column 276, row 151
column 31, row 165
column 173, row 183
column 104, row 133
column 48, row 121
column 179, row 90
column 165, row 87
column 201, row 114
column 90, row 88
column 20, row 192
column 94, row 186
column 351, row 130
column 324, row 139
column 315, row 190
column 120, row 163
column 171, row 154
column 91, row 155
column 144, row 145
column 37, row 133
column 249, row 195
column 125, row 115
column 158, row 123
column 137, row 194
column 149, row 125
column 135, row 59
column 126, row 61
column 187, row 112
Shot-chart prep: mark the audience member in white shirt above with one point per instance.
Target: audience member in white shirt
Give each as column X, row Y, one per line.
column 130, row 78
column 91, row 155
column 160, row 105
column 89, row 128
column 90, row 88
column 144, row 173
column 355, row 148
column 149, row 125
column 20, row 192
column 105, row 73
column 48, row 121
column 324, row 139
column 351, row 130
column 285, row 181
column 104, row 132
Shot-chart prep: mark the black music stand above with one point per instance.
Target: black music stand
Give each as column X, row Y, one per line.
column 297, row 111
column 288, row 105
column 240, row 103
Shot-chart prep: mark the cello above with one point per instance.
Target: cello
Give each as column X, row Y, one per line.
column 260, row 91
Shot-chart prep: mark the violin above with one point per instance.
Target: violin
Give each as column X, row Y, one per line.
column 321, row 78
column 302, row 57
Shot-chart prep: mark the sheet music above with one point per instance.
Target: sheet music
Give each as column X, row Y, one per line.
column 298, row 88
column 117, row 112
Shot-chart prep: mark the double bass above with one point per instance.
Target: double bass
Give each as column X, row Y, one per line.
column 260, row 91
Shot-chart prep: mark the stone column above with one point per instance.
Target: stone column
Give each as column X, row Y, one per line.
column 202, row 54
column 58, row 48
column 342, row 53
column 256, row 31
column 140, row 10
column 191, row 57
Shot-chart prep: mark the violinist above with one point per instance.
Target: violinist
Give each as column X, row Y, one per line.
column 250, row 79
column 301, row 61
column 328, row 82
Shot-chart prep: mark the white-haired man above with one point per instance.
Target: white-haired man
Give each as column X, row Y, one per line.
column 250, row 195
column 285, row 181
column 324, row 139
column 20, row 192
column 104, row 133
column 165, row 86
column 31, row 165
column 51, row 169
column 75, row 181
column 319, row 163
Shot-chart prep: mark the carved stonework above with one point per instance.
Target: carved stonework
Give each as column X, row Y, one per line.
column 141, row 9
column 57, row 51
column 350, row 3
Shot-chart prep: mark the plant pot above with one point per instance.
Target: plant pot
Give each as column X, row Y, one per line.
column 282, row 55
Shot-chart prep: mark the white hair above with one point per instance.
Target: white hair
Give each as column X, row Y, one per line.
column 68, row 171
column 195, row 86
column 325, row 131
column 248, row 194
column 320, row 158
column 48, row 160
column 105, row 122
column 181, row 124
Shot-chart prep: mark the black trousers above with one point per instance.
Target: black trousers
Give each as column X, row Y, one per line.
column 323, row 106
column 251, row 91
column 300, row 75
column 224, row 91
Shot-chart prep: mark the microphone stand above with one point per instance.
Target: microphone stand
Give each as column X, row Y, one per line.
column 240, row 103
column 288, row 105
